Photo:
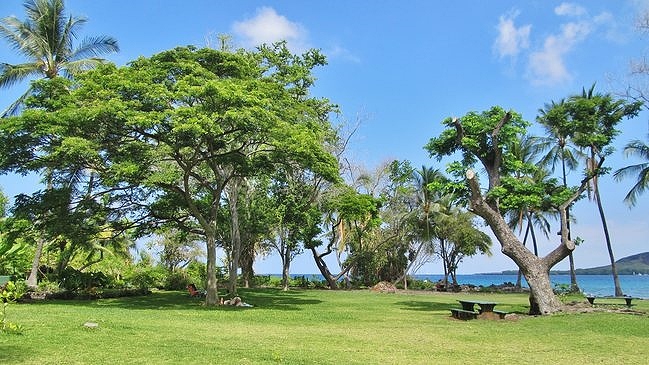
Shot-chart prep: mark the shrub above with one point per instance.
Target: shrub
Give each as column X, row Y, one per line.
column 146, row 277
column 9, row 293
column 73, row 279
column 46, row 286
column 177, row 280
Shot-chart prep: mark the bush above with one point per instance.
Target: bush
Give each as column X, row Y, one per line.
column 8, row 294
column 197, row 272
column 46, row 286
column 146, row 277
column 177, row 280
column 73, row 279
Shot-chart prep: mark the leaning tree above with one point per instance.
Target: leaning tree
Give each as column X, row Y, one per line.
column 485, row 138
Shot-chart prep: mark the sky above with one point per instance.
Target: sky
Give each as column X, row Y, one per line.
column 401, row 67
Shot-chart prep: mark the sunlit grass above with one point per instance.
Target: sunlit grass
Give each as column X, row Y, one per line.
column 317, row 327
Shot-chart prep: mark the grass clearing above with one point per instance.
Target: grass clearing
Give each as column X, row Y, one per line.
column 317, row 327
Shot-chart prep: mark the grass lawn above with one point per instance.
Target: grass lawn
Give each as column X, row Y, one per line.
column 318, row 327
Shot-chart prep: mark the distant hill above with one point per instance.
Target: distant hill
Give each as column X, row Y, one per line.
column 630, row 265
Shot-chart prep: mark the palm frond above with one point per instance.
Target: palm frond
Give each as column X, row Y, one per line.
column 15, row 108
column 94, row 46
column 12, row 74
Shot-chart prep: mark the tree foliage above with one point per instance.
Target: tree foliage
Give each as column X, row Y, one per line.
column 164, row 136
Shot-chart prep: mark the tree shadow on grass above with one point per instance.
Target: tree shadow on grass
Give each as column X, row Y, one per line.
column 276, row 299
column 424, row 306
column 12, row 354
column 180, row 300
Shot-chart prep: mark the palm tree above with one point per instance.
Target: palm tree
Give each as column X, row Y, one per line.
column 639, row 149
column 594, row 118
column 45, row 38
column 559, row 151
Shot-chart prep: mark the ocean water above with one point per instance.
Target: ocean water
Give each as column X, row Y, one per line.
column 598, row 285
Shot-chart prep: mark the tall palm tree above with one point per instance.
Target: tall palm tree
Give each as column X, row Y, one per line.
column 639, row 149
column 559, row 151
column 594, row 118
column 46, row 38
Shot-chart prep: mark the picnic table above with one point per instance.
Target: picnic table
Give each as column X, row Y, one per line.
column 627, row 299
column 485, row 311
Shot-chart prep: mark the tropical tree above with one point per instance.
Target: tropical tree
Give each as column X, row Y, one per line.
column 46, row 39
column 591, row 120
column 526, row 150
column 14, row 242
column 176, row 249
column 485, row 138
column 638, row 149
column 559, row 150
column 172, row 131
column 457, row 238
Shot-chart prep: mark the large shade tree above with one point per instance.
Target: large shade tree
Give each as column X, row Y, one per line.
column 172, row 131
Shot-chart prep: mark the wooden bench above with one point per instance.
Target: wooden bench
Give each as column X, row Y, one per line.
column 463, row 314
column 591, row 299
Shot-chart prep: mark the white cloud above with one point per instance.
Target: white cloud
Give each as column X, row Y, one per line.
column 547, row 63
column 342, row 53
column 511, row 40
column 569, row 9
column 547, row 66
column 267, row 27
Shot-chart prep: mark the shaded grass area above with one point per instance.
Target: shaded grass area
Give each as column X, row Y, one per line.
column 317, row 327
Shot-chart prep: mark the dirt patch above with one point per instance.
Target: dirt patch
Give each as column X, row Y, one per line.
column 585, row 307
column 384, row 287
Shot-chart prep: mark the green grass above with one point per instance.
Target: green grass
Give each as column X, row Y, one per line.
column 317, row 327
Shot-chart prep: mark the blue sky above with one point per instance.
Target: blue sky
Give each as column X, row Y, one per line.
column 402, row 67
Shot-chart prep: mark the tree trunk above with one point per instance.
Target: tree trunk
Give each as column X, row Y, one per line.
column 616, row 280
column 518, row 278
column 574, row 287
column 573, row 275
column 286, row 264
column 32, row 280
column 541, row 296
column 536, row 270
column 235, row 252
column 324, row 270
column 212, row 297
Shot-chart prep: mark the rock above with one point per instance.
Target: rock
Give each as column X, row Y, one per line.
column 91, row 325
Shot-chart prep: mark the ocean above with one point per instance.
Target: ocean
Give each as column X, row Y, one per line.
column 597, row 285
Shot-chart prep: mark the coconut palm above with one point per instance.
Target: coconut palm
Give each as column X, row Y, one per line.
column 594, row 118
column 639, row 149
column 558, row 150
column 46, row 38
